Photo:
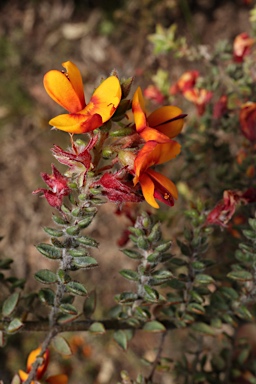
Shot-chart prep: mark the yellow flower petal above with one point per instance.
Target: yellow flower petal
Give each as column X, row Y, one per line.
column 66, row 88
column 166, row 120
column 138, row 109
column 154, row 153
column 105, row 99
column 74, row 75
column 150, row 134
column 76, row 123
column 23, row 375
column 148, row 188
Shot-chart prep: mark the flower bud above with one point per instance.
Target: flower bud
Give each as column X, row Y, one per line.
column 126, row 158
column 247, row 119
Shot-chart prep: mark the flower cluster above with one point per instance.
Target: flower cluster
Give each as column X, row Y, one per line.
column 56, row 379
column 137, row 146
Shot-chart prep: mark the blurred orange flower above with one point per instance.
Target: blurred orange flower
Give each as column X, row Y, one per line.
column 186, row 81
column 200, row 97
column 153, row 184
column 241, row 46
column 161, row 125
column 67, row 90
column 56, row 379
column 247, row 120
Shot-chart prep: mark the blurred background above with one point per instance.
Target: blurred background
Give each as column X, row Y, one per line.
column 98, row 36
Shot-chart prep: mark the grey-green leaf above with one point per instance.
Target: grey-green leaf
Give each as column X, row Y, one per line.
column 61, row 345
column 10, row 304
column 45, row 276
column 76, row 288
column 49, row 251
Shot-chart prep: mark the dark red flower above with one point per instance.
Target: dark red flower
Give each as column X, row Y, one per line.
column 247, row 120
column 116, row 189
column 58, row 187
column 225, row 209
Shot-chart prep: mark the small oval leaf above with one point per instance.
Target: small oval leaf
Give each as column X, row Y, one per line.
column 154, row 326
column 61, row 345
column 45, row 276
column 76, row 288
column 10, row 304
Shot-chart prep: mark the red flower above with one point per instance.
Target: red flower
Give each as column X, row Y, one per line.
column 242, row 46
column 225, row 209
column 56, row 379
column 153, row 184
column 153, row 93
column 220, row 108
column 161, row 125
column 67, row 90
column 116, row 189
column 247, row 120
column 185, row 82
column 200, row 97
column 58, row 187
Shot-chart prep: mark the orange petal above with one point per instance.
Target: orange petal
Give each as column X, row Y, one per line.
column 74, row 75
column 138, row 109
column 61, row 89
column 32, row 358
column 164, row 181
column 105, row 99
column 148, row 188
column 57, row 379
column 168, row 120
column 151, row 134
column 76, row 123
column 154, row 153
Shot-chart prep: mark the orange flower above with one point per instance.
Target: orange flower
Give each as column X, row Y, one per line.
column 186, row 81
column 200, row 97
column 247, row 120
column 161, row 125
column 57, row 379
column 241, row 46
column 153, row 184
column 67, row 90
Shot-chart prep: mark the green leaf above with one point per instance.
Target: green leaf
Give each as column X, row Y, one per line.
column 61, row 345
column 121, row 339
column 196, row 308
column 132, row 254
column 14, row 326
column 10, row 304
column 154, row 326
column 76, row 288
column 85, row 222
column 53, row 232
column 240, row 275
column 88, row 241
column 97, row 328
column 68, row 308
column 162, row 275
column 203, row 328
column 164, row 246
column 46, row 295
column 151, row 293
column 78, row 252
column 129, row 274
column 74, row 230
column 127, row 297
column 45, row 276
column 49, row 251
column 5, row 263
column 85, row 262
column 59, row 220
column 203, row 279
